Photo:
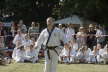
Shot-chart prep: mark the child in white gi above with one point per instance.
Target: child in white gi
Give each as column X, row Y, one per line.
column 19, row 54
column 105, row 54
column 72, row 55
column 83, row 54
column 64, row 56
column 31, row 55
column 93, row 55
column 27, row 42
column 70, row 32
column 19, row 37
column 101, row 50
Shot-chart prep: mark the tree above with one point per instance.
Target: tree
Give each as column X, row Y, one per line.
column 29, row 10
column 96, row 10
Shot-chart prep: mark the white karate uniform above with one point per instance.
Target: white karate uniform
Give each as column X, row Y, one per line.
column 56, row 36
column 65, row 55
column 100, row 56
column 93, row 57
column 27, row 43
column 79, row 55
column 72, row 55
column 31, row 56
column 105, row 55
column 61, row 55
column 75, row 46
column 70, row 32
column 83, row 56
column 19, row 38
column 87, row 55
column 18, row 55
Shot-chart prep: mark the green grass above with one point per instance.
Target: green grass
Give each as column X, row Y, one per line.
column 38, row 67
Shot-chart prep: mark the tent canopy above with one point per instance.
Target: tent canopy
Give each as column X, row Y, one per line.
column 72, row 20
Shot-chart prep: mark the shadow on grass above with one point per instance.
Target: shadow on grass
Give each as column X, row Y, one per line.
column 41, row 61
column 3, row 65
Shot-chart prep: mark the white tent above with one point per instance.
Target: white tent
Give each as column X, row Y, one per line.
column 72, row 20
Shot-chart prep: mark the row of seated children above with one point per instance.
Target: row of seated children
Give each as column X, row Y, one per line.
column 84, row 54
column 24, row 50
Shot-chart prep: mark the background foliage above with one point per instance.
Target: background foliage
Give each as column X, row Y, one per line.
column 39, row 10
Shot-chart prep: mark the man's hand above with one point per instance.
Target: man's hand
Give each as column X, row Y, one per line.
column 66, row 46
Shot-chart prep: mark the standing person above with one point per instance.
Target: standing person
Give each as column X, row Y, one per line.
column 91, row 39
column 99, row 34
column 34, row 30
column 81, row 37
column 52, row 44
column 70, row 32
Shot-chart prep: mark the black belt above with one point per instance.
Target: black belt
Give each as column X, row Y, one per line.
column 51, row 48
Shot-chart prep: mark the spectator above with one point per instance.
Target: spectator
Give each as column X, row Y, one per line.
column 99, row 34
column 70, row 32
column 22, row 26
column 2, row 36
column 34, row 30
column 13, row 29
column 81, row 37
column 91, row 39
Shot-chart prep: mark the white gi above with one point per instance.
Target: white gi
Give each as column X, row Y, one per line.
column 56, row 36
column 83, row 55
column 19, row 39
column 93, row 56
column 65, row 55
column 31, row 55
column 75, row 46
column 72, row 55
column 87, row 54
column 18, row 55
column 61, row 55
column 100, row 56
column 105, row 55
column 70, row 32
column 27, row 43
column 80, row 54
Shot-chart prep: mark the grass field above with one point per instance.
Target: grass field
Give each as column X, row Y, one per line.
column 38, row 67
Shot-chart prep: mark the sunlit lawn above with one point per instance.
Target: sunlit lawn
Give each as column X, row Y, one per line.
column 38, row 67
